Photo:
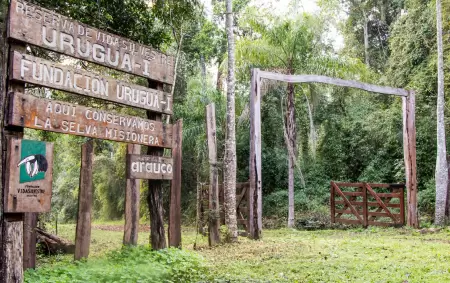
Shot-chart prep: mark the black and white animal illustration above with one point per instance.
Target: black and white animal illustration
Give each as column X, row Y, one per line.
column 34, row 164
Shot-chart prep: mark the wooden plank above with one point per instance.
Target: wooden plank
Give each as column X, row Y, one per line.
column 149, row 167
column 355, row 194
column 370, row 213
column 333, row 203
column 28, row 187
column 388, row 195
column 333, row 81
column 62, row 117
column 378, row 199
column 258, row 158
column 365, row 208
column 83, row 230
column 132, row 200
column 360, row 203
column 214, row 213
column 29, row 69
column 336, row 188
column 350, row 185
column 402, row 206
column 44, row 28
column 175, row 189
column 29, row 240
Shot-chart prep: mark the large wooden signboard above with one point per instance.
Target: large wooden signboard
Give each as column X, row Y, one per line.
column 44, row 28
column 29, row 176
column 149, row 167
column 62, row 117
column 30, row 69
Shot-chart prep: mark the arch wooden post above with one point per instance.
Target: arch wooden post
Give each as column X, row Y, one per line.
column 255, row 192
column 409, row 149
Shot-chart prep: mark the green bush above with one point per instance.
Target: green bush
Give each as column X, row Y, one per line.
column 131, row 264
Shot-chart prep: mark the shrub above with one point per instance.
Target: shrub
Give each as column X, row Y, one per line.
column 130, row 264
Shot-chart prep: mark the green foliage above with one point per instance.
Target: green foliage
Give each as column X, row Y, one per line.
column 135, row 264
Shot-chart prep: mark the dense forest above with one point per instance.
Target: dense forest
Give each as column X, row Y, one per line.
column 342, row 134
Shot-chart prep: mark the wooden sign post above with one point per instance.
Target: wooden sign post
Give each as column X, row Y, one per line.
column 214, row 211
column 132, row 197
column 83, row 231
column 34, row 25
column 175, row 189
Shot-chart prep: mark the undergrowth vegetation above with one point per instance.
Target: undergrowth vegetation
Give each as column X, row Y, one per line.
column 138, row 264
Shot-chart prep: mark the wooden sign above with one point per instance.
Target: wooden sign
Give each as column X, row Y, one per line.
column 149, row 167
column 30, row 69
column 29, row 176
column 67, row 118
column 47, row 29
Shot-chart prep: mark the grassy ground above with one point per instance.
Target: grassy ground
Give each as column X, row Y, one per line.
column 357, row 255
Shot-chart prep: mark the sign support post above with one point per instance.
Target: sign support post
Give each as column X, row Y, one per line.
column 132, row 196
column 83, row 234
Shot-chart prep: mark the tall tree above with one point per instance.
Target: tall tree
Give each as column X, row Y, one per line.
column 230, row 142
column 291, row 47
column 441, row 158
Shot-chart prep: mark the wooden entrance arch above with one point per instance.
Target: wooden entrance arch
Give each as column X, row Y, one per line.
column 409, row 140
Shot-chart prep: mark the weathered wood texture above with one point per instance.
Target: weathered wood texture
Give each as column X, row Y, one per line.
column 32, row 196
column 62, row 117
column 132, row 200
column 83, row 231
column 30, row 69
column 155, row 195
column 214, row 212
column 29, row 240
column 44, row 28
column 241, row 203
column 149, row 167
column 13, row 252
column 255, row 192
column 11, row 225
column 175, row 188
column 372, row 208
column 333, row 81
column 409, row 148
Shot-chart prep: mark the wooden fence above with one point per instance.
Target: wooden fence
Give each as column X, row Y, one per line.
column 241, row 203
column 368, row 204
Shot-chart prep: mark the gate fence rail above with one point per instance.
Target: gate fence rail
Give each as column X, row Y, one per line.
column 368, row 204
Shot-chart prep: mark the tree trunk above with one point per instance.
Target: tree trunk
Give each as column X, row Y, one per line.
column 155, row 193
column 366, row 39
column 291, row 143
column 441, row 160
column 230, row 143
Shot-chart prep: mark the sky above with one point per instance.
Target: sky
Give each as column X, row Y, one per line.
column 282, row 7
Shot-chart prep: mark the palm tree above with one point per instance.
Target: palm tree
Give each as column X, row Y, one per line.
column 290, row 46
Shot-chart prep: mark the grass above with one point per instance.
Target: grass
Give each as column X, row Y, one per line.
column 356, row 255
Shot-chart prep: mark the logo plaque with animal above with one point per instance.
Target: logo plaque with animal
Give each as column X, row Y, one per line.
column 29, row 186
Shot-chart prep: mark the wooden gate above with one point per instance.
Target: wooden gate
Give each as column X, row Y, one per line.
column 368, row 204
column 241, row 203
